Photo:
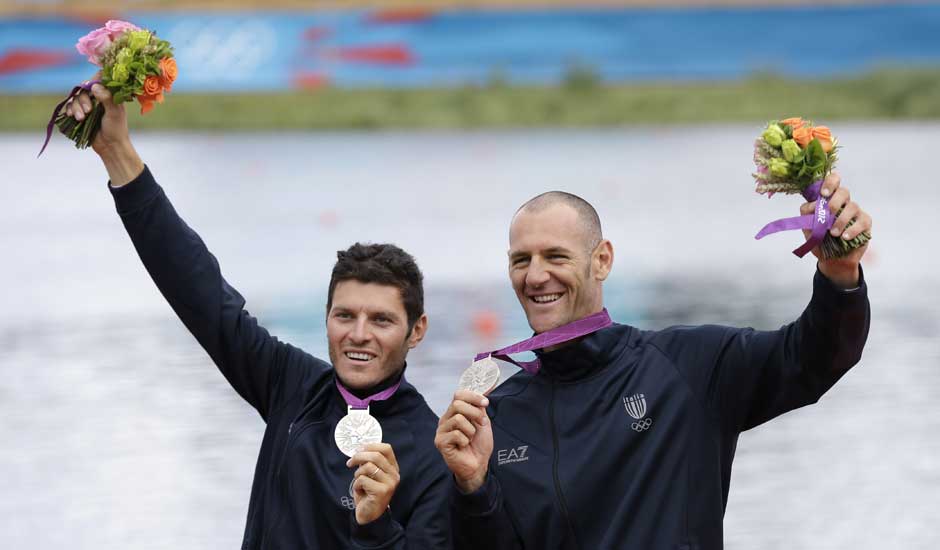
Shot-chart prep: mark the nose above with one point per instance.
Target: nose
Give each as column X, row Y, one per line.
column 536, row 275
column 360, row 330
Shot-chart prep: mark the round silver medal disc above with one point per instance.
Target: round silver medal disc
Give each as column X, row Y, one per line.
column 480, row 377
column 356, row 429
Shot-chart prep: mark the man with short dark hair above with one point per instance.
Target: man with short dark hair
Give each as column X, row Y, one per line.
column 347, row 459
column 620, row 438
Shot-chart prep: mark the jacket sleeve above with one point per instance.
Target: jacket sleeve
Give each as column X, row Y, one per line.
column 480, row 519
column 747, row 377
column 188, row 276
column 428, row 525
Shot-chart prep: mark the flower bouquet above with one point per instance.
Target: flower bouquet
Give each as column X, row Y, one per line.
column 793, row 156
column 135, row 64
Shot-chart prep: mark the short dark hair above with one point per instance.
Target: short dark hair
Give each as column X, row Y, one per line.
column 587, row 215
column 384, row 264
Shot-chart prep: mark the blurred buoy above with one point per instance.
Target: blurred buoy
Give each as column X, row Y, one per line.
column 328, row 218
column 486, row 324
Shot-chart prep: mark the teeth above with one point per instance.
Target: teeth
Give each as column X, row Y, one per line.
column 359, row 356
column 546, row 298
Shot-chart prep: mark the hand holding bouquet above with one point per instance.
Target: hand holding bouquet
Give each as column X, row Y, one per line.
column 793, row 156
column 135, row 64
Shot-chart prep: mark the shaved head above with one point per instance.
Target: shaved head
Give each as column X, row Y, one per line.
column 588, row 220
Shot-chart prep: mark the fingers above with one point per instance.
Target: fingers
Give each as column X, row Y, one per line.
column 839, row 199
column 861, row 223
column 471, row 397
column 849, row 212
column 374, row 472
column 103, row 95
column 383, row 490
column 830, row 184
column 476, row 414
column 377, row 454
column 79, row 106
column 468, row 403
column 450, row 439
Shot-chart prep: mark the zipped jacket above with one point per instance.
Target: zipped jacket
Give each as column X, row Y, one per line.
column 300, row 496
column 624, row 440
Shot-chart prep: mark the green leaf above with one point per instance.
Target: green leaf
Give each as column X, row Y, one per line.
column 815, row 157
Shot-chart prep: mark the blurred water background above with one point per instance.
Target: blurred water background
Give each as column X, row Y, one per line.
column 118, row 432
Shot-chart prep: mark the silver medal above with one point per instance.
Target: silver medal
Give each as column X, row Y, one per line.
column 480, row 377
column 355, row 430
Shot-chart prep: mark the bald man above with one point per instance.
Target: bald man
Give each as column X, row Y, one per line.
column 624, row 437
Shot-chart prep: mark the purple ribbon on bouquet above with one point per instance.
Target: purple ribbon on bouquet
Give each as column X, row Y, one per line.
column 55, row 113
column 818, row 222
column 558, row 335
column 357, row 403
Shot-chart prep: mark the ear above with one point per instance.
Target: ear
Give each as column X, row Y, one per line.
column 418, row 331
column 603, row 259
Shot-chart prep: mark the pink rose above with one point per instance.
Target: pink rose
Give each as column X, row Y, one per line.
column 94, row 45
column 117, row 28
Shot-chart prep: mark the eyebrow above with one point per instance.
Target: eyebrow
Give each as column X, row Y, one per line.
column 390, row 314
column 551, row 250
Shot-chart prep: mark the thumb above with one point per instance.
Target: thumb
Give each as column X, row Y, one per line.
column 103, row 96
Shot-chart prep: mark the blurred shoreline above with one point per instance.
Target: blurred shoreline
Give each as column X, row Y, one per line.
column 583, row 100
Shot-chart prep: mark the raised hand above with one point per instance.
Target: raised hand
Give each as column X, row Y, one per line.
column 113, row 143
column 844, row 270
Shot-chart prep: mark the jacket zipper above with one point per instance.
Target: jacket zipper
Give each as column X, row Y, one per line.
column 558, row 492
column 277, row 478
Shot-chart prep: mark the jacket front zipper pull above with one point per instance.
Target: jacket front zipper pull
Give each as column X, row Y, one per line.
column 289, row 428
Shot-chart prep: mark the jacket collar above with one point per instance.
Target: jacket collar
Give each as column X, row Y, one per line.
column 584, row 357
column 398, row 401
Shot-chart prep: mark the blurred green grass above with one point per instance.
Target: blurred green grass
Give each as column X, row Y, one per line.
column 582, row 100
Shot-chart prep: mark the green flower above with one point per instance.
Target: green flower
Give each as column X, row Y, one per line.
column 138, row 39
column 119, row 73
column 124, row 56
column 792, row 151
column 774, row 135
column 779, row 167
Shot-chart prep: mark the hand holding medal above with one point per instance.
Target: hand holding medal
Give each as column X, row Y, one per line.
column 358, row 435
column 464, row 434
column 374, row 481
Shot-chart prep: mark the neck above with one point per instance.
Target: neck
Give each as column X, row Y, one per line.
column 382, row 385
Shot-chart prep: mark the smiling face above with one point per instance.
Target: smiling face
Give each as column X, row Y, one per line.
column 367, row 330
column 556, row 272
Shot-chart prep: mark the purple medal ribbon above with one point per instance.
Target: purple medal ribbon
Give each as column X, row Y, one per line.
column 559, row 335
column 818, row 222
column 357, row 403
column 55, row 113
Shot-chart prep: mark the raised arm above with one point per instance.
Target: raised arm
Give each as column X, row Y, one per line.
column 184, row 270
column 748, row 377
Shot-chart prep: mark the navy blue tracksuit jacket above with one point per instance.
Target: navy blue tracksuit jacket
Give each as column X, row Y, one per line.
column 625, row 439
column 300, row 494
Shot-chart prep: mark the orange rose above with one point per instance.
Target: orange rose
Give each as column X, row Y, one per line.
column 147, row 101
column 152, row 86
column 803, row 136
column 794, row 122
column 168, row 71
column 824, row 136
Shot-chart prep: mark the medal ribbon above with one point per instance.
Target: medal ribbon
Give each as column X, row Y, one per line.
column 818, row 222
column 357, row 403
column 559, row 335
column 55, row 112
